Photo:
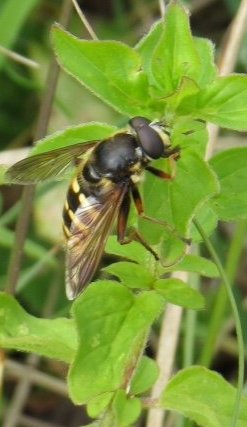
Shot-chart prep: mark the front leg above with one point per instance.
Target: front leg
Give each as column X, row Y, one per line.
column 173, row 156
column 157, row 172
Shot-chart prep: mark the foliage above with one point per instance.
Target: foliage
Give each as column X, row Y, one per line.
column 11, row 22
column 168, row 76
column 197, row 393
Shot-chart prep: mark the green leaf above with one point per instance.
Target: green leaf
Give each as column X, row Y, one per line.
column 222, row 102
column 208, row 69
column 198, row 264
column 176, row 201
column 126, row 409
column 207, row 216
column 190, row 134
column 74, row 135
column 175, row 55
column 20, row 331
column 171, row 251
column 98, row 404
column 131, row 275
column 180, row 293
column 231, row 168
column 187, row 87
column 110, row 69
column 147, row 43
column 146, row 47
column 145, row 376
column 133, row 251
column 112, row 324
column 187, row 192
column 203, row 396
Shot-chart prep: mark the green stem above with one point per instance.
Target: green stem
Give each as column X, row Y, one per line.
column 32, row 249
column 190, row 318
column 10, row 215
column 190, row 323
column 37, row 268
column 216, row 319
column 189, row 339
column 239, row 332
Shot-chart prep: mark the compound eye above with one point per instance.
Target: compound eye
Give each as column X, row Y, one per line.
column 149, row 138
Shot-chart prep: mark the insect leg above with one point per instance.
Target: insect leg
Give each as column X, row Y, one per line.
column 161, row 174
column 123, row 218
column 157, row 172
column 172, row 156
column 139, row 206
column 134, row 234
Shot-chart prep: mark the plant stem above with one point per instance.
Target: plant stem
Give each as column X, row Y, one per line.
column 84, row 20
column 190, row 318
column 216, row 319
column 37, row 268
column 166, row 351
column 239, row 332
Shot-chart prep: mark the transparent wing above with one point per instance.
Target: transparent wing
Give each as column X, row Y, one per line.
column 53, row 164
column 89, row 233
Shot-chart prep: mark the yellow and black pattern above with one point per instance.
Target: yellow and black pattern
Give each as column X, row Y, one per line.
column 107, row 172
column 83, row 196
column 71, row 205
column 90, row 226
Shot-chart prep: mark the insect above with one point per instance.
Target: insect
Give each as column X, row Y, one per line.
column 100, row 192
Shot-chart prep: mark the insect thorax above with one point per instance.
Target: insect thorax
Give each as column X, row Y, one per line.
column 114, row 162
column 115, row 157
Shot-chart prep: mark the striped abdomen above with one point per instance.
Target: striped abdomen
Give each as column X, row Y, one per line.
column 89, row 213
column 77, row 196
column 84, row 192
column 71, row 205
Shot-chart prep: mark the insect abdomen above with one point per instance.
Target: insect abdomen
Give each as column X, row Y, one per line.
column 71, row 205
column 79, row 196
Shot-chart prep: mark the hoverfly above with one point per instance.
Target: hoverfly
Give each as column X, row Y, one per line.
column 100, row 191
